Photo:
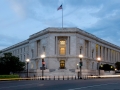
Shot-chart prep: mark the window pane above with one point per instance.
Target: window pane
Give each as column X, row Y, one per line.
column 62, row 51
column 62, row 42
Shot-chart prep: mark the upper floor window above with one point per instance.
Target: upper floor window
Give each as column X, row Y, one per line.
column 62, row 42
column 62, row 51
column 62, row 47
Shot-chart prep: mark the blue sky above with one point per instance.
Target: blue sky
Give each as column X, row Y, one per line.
column 21, row 18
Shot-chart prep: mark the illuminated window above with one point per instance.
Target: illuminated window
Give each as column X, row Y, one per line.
column 62, row 51
column 62, row 42
column 62, row 64
column 62, row 47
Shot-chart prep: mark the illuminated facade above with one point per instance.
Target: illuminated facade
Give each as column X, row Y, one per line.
column 62, row 48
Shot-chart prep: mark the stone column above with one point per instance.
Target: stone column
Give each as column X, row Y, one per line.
column 114, row 56
column 105, row 54
column 89, row 51
column 94, row 54
column 68, row 45
column 111, row 56
column 83, row 51
column 99, row 51
column 118, row 56
column 102, row 53
column 57, row 45
column 35, row 49
column 108, row 55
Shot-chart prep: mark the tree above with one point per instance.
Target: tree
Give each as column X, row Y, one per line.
column 117, row 65
column 10, row 63
column 106, row 67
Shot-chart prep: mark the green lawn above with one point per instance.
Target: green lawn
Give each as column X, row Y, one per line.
column 8, row 76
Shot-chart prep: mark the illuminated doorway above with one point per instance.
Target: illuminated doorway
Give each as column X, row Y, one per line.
column 62, row 64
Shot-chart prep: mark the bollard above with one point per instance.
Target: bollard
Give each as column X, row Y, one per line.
column 49, row 77
column 54, row 77
column 40, row 77
column 58, row 77
column 75, row 77
column 63, row 77
column 45, row 77
column 71, row 77
column 85, row 77
column 67, row 77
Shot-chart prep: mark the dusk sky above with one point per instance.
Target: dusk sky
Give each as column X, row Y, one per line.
column 21, row 18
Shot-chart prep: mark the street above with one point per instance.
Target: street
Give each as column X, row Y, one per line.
column 89, row 84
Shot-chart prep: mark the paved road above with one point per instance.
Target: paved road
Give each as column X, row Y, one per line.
column 91, row 84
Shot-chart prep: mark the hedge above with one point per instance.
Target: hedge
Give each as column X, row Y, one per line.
column 8, row 76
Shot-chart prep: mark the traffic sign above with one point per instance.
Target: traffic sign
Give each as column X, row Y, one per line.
column 80, row 63
column 42, row 68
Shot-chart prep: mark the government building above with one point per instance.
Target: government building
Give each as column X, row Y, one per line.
column 62, row 47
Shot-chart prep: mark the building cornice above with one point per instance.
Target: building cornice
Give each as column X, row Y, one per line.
column 72, row 30
column 16, row 45
column 64, row 31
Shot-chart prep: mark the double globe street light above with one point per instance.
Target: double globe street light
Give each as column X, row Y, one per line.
column 43, row 65
column 27, row 60
column 80, row 65
column 99, row 59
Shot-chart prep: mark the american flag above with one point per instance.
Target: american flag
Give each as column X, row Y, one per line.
column 59, row 7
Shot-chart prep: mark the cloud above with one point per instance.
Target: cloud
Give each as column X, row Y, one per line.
column 99, row 17
column 6, row 40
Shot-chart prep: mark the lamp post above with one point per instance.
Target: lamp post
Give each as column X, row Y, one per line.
column 43, row 65
column 27, row 60
column 80, row 65
column 77, row 65
column 99, row 59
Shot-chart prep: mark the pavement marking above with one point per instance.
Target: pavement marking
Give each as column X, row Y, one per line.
column 18, row 86
column 41, row 85
column 92, row 86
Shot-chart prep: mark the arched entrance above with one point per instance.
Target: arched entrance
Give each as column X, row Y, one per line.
column 62, row 64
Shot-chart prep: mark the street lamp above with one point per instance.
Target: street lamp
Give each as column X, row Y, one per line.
column 99, row 59
column 27, row 60
column 80, row 65
column 77, row 65
column 43, row 65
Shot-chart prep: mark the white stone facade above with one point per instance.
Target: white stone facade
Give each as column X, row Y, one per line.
column 77, row 42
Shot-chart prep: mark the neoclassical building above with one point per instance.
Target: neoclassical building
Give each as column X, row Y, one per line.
column 62, row 48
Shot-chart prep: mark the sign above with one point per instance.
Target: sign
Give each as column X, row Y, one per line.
column 42, row 68
column 80, row 63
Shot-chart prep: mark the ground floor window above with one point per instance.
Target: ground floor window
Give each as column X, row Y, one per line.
column 62, row 64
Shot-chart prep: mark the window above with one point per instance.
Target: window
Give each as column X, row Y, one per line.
column 62, row 51
column 62, row 47
column 92, row 65
column 96, row 50
column 62, row 64
column 92, row 53
column 62, row 42
column 32, row 52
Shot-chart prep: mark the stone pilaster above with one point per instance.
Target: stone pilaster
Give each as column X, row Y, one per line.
column 89, row 50
column 35, row 49
column 102, row 53
column 105, row 54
